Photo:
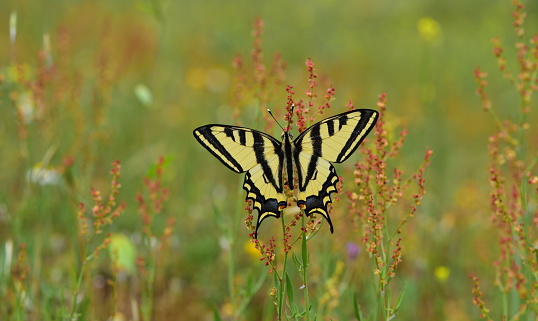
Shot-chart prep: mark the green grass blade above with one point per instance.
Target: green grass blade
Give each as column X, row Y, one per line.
column 216, row 314
column 356, row 308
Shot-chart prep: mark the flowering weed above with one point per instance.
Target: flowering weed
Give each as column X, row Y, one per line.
column 513, row 181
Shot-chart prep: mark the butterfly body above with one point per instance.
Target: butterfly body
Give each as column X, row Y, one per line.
column 270, row 164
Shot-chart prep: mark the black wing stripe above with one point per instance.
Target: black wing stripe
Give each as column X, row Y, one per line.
column 362, row 128
column 330, row 127
column 310, row 171
column 259, row 151
column 206, row 138
column 342, row 121
column 242, row 138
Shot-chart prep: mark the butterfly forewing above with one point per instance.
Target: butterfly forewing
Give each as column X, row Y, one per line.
column 337, row 137
column 235, row 147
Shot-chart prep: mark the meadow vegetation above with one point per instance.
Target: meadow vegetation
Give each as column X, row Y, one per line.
column 109, row 210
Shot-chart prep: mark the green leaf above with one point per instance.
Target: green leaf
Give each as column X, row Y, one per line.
column 356, row 308
column 289, row 289
column 298, row 264
column 216, row 314
column 305, row 252
column 400, row 298
column 251, row 288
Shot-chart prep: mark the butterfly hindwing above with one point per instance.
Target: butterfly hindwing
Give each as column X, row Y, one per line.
column 331, row 140
column 260, row 155
column 314, row 192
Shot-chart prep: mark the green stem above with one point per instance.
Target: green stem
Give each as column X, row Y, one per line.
column 504, row 298
column 496, row 119
column 281, row 280
column 74, row 302
column 147, row 305
column 304, row 269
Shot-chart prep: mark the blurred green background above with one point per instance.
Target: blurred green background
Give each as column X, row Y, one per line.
column 134, row 78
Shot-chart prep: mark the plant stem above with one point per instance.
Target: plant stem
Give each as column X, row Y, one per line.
column 281, row 279
column 304, row 269
column 74, row 302
column 147, row 305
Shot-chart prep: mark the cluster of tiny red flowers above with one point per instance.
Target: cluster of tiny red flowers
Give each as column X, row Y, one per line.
column 103, row 214
column 312, row 225
column 263, row 81
column 257, row 53
column 478, row 298
column 267, row 252
column 287, row 237
column 167, row 232
column 156, row 196
column 507, row 215
column 297, row 107
column 526, row 80
column 312, row 82
column 349, row 105
column 377, row 192
column 311, row 95
column 419, row 178
column 150, row 204
column 396, row 259
column 141, row 266
column 519, row 17
column 328, row 97
column 302, row 111
column 480, row 78
column 239, row 87
column 249, row 220
column 376, row 228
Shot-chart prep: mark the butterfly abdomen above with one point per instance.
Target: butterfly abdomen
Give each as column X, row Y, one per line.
column 287, row 148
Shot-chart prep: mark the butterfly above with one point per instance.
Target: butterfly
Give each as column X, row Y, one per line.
column 270, row 164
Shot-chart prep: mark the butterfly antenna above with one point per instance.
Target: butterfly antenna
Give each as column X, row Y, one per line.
column 270, row 113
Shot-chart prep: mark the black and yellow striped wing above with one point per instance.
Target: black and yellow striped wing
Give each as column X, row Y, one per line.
column 331, row 140
column 260, row 155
